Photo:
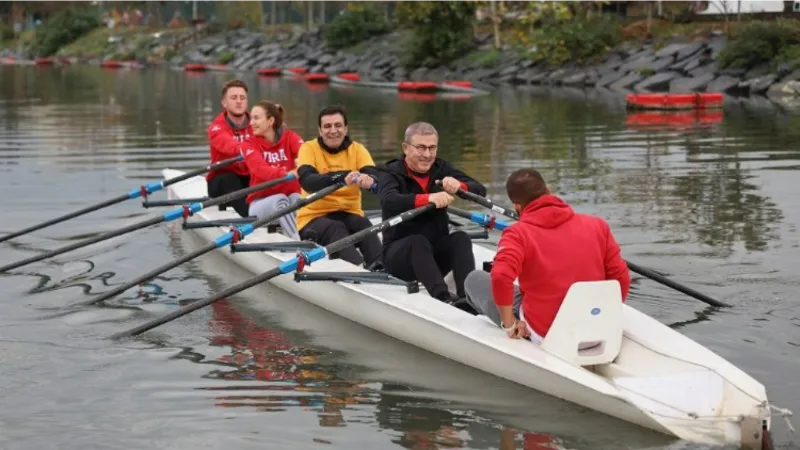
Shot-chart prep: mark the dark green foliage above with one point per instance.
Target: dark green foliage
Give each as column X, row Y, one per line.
column 62, row 28
column 357, row 24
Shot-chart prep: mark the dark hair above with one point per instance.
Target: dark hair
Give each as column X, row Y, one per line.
column 233, row 84
column 524, row 186
column 331, row 110
column 273, row 110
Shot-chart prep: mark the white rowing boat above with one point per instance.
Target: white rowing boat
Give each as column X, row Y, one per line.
column 644, row 372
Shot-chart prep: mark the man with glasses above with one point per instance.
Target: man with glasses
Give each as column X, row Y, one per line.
column 424, row 249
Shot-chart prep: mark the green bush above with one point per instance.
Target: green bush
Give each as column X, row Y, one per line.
column 6, row 33
column 441, row 31
column 225, row 57
column 774, row 42
column 577, row 40
column 62, row 28
column 355, row 25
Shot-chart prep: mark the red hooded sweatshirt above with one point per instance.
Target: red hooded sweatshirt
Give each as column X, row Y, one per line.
column 224, row 142
column 267, row 161
column 549, row 249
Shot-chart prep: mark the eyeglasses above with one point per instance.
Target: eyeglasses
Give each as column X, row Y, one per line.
column 421, row 148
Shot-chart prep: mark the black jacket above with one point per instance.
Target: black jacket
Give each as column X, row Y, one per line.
column 397, row 190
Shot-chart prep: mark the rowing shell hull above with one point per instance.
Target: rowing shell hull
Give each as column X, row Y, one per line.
column 661, row 380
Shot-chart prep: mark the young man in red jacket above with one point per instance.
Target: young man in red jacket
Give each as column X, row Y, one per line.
column 549, row 249
column 226, row 132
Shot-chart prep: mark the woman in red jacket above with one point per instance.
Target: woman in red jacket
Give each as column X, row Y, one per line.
column 269, row 154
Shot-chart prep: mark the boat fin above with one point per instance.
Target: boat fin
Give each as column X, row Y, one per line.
column 588, row 327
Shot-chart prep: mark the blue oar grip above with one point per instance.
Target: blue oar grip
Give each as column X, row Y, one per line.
column 178, row 212
column 149, row 188
column 288, row 266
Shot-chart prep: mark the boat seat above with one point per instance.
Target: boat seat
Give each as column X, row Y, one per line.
column 588, row 327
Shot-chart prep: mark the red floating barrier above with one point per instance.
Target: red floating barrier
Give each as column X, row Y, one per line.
column 350, row 76
column 463, row 84
column 674, row 120
column 43, row 61
column 268, row 72
column 417, row 86
column 298, row 70
column 674, row 101
column 194, row 67
column 317, row 78
column 111, row 64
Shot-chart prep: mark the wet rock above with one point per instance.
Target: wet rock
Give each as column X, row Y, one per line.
column 574, row 79
column 694, row 49
column 592, row 77
column 608, row 79
column 637, row 64
column 690, row 84
column 526, row 75
column 557, row 75
column 792, row 76
column 761, row 84
column 627, row 81
column 205, row 48
column 758, row 71
column 723, row 83
column 734, row 72
column 661, row 64
column 656, row 83
column 785, row 89
column 703, row 70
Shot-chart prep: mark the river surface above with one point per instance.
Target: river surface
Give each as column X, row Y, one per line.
column 707, row 202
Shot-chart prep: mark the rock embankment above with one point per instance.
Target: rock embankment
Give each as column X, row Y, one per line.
column 677, row 67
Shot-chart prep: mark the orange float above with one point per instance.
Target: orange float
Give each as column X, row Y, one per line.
column 417, row 86
column 686, row 119
column 350, row 76
column 194, row 67
column 317, row 78
column 461, row 84
column 269, row 72
column 675, row 101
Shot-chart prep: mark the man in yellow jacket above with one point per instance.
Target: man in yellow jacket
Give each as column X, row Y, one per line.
column 324, row 161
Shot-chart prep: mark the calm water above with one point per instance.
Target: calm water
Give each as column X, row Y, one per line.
column 711, row 205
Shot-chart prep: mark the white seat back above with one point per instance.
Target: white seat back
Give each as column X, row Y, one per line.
column 588, row 327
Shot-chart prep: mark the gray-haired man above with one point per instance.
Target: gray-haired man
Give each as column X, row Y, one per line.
column 424, row 248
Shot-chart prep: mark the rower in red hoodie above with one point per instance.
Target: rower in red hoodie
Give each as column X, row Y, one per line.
column 229, row 129
column 549, row 249
column 271, row 153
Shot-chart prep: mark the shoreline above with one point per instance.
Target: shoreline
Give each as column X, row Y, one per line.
column 679, row 67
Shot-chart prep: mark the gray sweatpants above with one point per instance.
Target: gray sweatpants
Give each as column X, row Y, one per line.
column 478, row 287
column 268, row 205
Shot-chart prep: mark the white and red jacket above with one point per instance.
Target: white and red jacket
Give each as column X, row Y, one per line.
column 267, row 161
column 224, row 141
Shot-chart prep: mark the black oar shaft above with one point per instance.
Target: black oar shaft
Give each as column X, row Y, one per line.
column 285, row 267
column 152, row 274
column 221, row 241
column 645, row 272
column 199, row 304
column 134, row 193
column 84, row 243
column 166, row 217
column 65, row 217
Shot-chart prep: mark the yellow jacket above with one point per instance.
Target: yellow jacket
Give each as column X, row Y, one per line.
column 318, row 168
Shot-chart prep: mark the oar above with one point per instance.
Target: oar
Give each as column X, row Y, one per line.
column 296, row 263
column 145, row 189
column 237, row 233
column 488, row 221
column 185, row 211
